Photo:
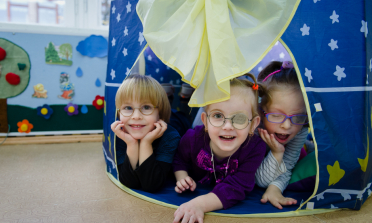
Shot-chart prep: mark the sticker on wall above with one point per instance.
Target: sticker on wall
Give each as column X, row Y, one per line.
column 98, row 83
column 21, row 66
column 93, row 46
column 61, row 55
column 40, row 92
column 84, row 109
column 2, row 54
column 66, row 87
column 44, row 111
column 98, row 102
column 12, row 78
column 25, row 126
column 72, row 109
column 79, row 72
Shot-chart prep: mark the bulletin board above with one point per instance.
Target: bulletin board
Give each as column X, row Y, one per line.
column 60, row 87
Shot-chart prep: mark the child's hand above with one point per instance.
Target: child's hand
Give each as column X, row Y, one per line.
column 270, row 140
column 188, row 212
column 275, row 197
column 160, row 127
column 185, row 184
column 117, row 128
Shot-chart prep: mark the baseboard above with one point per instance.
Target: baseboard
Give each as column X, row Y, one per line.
column 51, row 139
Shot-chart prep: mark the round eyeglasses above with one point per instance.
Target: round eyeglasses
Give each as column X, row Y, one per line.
column 238, row 121
column 144, row 109
column 280, row 118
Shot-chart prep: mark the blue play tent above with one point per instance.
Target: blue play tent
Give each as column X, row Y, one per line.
column 331, row 47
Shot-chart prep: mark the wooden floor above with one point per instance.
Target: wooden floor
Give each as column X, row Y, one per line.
column 68, row 183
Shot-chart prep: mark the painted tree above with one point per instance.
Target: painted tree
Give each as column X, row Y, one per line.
column 65, row 50
column 14, row 76
column 51, row 54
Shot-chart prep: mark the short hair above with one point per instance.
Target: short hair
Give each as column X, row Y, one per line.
column 140, row 88
column 285, row 79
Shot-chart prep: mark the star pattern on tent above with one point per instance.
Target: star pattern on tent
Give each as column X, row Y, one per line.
column 113, row 9
column 305, row 30
column 128, row 72
column 364, row 28
column 162, row 78
column 168, row 68
column 333, row 207
column 178, row 81
column 370, row 65
column 369, row 192
column 128, row 7
column 125, row 51
column 259, row 69
column 281, row 55
column 171, row 82
column 334, row 17
column 335, row 173
column 141, row 38
column 112, row 74
column 339, row 73
column 118, row 17
column 157, row 70
column 333, row 44
column 149, row 57
column 125, row 31
column 315, row 1
column 109, row 140
column 113, row 42
column 308, row 74
column 364, row 162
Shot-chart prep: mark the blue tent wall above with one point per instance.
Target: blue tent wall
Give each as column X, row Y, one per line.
column 343, row 126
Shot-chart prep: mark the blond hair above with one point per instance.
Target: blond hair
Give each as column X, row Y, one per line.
column 140, row 88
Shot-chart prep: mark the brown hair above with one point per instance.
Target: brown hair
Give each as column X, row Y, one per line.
column 140, row 88
column 285, row 79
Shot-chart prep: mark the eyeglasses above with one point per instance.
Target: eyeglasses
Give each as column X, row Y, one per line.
column 239, row 120
column 280, row 118
column 144, row 109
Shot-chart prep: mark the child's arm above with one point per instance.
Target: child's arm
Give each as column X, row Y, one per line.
column 132, row 144
column 193, row 211
column 274, row 195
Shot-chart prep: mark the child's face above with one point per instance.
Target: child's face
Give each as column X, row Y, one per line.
column 225, row 140
column 138, row 125
column 288, row 102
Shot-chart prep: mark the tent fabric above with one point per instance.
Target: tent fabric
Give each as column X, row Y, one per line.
column 210, row 42
column 330, row 45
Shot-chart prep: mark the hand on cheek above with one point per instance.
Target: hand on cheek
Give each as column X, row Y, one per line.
column 118, row 128
column 157, row 132
column 270, row 140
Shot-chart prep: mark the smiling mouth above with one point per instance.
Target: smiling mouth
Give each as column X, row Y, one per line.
column 282, row 137
column 136, row 126
column 227, row 138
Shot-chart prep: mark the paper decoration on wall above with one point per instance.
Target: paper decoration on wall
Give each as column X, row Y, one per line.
column 66, row 87
column 13, row 78
column 25, row 126
column 72, row 109
column 21, row 66
column 93, row 46
column 10, row 56
column 98, row 83
column 84, row 109
column 40, row 92
column 44, row 111
column 2, row 54
column 79, row 72
column 99, row 102
column 61, row 55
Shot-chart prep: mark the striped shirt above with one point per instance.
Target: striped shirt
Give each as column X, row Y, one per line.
column 271, row 173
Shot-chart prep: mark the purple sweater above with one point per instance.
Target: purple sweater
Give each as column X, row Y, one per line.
column 194, row 147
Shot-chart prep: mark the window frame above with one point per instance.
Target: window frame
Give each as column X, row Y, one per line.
column 81, row 17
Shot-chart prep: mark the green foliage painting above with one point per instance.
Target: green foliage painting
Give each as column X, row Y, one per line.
column 61, row 55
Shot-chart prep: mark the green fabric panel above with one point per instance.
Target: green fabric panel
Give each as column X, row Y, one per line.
column 59, row 121
column 14, row 55
column 305, row 168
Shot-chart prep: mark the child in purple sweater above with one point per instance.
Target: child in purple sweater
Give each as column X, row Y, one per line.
column 223, row 152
